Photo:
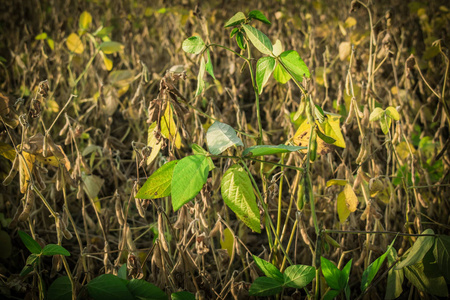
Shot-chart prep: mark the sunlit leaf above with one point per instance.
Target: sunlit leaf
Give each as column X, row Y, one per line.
column 238, row 195
column 228, row 241
column 111, row 47
column 281, row 75
column 193, row 44
column 209, row 66
column 418, row 250
column 158, row 185
column 168, row 127
column 298, row 276
column 25, row 168
column 220, row 137
column 153, row 143
column 85, row 20
column 268, row 269
column 264, row 69
column 237, row 19
column 277, row 48
column 257, row 15
column 258, row 39
column 261, row 150
column 41, row 36
column 332, row 128
column 200, row 81
column 341, row 182
column 376, row 114
column 74, row 43
column 295, row 65
column 188, row 178
column 393, row 113
column 108, row 63
column 346, row 203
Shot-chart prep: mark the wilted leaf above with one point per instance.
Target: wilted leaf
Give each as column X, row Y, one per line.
column 153, row 143
column 168, row 127
column 209, row 67
column 346, row 203
column 393, row 113
column 200, row 81
column 376, row 114
column 85, row 20
column 111, row 47
column 345, row 49
column 228, row 242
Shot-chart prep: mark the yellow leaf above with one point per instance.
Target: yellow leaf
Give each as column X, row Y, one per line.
column 346, row 203
column 74, row 43
column 92, row 185
column 152, row 142
column 301, row 138
column 24, row 172
column 332, row 129
column 97, row 204
column 108, row 63
column 52, row 105
column 350, row 22
column 168, row 127
column 344, row 50
column 403, row 150
column 85, row 20
column 228, row 241
column 7, row 151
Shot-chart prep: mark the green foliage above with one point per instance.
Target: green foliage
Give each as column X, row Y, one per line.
column 335, row 278
column 261, row 150
column 60, row 289
column 193, row 45
column 372, row 269
column 258, row 39
column 296, row 276
column 189, row 176
column 158, row 185
column 237, row 193
column 220, row 137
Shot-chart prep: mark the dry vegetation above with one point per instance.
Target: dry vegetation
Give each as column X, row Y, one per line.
column 83, row 130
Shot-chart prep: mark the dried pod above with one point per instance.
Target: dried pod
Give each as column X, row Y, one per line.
column 139, row 207
column 134, row 266
column 56, row 265
column 161, row 236
column 12, row 172
column 118, row 207
column 38, row 180
column 29, row 203
column 303, row 231
column 351, row 113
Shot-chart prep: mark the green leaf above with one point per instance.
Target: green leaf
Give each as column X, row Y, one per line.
column 209, row 66
column 183, row 296
column 281, row 75
column 418, row 250
column 257, row 15
column 142, row 289
column 293, row 62
column 53, row 249
column 85, row 20
column 60, row 289
column 199, row 150
column 237, row 19
column 299, row 276
column 331, row 274
column 158, row 184
column 264, row 69
column 193, row 44
column 385, row 123
column 41, row 36
column 121, row 78
column 200, row 81
column 31, row 244
column 240, row 40
column 345, row 274
column 372, row 269
column 320, row 115
column 108, row 287
column 233, row 32
column 51, row 43
column 32, row 260
column 268, row 269
column 393, row 113
column 441, row 253
column 111, row 47
column 265, row 286
column 258, row 39
column 277, row 48
column 5, row 241
column 395, row 278
column 426, row 276
column 238, row 195
column 331, row 295
column 188, row 178
column 122, row 273
column 261, row 150
column 376, row 114
column 220, row 137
